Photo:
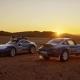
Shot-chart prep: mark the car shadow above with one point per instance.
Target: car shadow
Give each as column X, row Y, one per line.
column 20, row 54
column 55, row 60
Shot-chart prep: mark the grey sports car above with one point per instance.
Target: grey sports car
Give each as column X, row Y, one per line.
column 60, row 47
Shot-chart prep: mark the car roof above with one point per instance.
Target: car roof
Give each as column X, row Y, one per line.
column 18, row 37
column 63, row 38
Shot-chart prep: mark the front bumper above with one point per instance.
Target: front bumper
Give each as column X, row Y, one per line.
column 4, row 52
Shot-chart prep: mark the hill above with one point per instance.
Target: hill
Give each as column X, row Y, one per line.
column 30, row 33
column 44, row 34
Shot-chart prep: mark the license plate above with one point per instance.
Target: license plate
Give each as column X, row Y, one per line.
column 44, row 52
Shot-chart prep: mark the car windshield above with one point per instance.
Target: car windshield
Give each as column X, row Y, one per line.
column 56, row 41
column 12, row 42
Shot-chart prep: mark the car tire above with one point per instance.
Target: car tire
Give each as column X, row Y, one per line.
column 64, row 56
column 46, row 57
column 32, row 49
column 12, row 52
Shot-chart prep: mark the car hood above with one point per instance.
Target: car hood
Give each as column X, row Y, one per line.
column 10, row 44
column 3, row 46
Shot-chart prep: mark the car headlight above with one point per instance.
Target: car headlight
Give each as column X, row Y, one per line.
column 4, row 47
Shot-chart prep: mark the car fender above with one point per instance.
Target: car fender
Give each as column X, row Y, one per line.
column 9, row 47
column 61, row 49
column 31, row 45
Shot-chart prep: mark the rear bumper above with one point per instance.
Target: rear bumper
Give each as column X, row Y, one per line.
column 49, row 53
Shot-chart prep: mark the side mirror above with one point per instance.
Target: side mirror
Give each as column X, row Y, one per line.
column 20, row 44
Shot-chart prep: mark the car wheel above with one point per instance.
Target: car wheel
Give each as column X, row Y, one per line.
column 32, row 49
column 12, row 52
column 64, row 56
column 46, row 57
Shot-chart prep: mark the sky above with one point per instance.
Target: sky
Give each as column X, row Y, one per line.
column 40, row 15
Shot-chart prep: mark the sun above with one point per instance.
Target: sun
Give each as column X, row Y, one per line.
column 58, row 33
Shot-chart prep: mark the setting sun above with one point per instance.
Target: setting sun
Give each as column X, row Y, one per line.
column 58, row 33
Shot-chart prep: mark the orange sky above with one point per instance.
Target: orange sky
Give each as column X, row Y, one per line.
column 41, row 15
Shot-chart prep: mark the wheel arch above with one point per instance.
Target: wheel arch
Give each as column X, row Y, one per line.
column 66, row 50
column 9, row 52
column 61, row 55
column 30, row 45
column 14, row 48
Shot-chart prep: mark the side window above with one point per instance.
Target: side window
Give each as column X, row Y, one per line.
column 25, row 42
column 65, row 43
column 71, row 42
column 21, row 42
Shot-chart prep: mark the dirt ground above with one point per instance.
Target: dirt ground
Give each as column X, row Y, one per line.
column 30, row 67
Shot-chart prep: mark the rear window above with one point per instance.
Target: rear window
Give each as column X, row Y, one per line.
column 57, row 41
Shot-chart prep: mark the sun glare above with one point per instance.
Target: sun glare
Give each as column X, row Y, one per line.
column 58, row 33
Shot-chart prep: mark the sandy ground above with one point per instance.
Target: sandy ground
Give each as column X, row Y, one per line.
column 30, row 67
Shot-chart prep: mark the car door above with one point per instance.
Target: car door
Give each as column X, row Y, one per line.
column 25, row 45
column 72, row 46
column 20, row 46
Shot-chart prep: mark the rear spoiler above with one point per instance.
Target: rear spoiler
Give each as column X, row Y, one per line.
column 46, row 45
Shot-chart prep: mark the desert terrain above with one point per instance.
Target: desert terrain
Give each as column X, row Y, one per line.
column 30, row 67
